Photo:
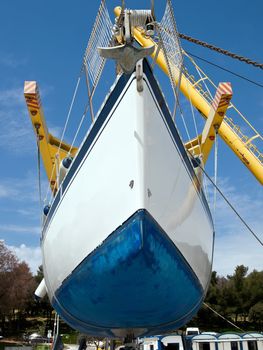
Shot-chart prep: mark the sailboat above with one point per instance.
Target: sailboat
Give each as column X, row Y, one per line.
column 127, row 240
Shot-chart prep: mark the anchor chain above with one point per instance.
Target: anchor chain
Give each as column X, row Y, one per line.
column 222, row 51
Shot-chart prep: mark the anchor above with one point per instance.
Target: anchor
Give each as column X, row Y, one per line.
column 127, row 55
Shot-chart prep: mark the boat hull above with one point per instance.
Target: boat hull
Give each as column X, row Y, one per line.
column 127, row 245
column 136, row 263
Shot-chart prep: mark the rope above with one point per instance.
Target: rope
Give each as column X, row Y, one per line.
column 48, row 187
column 218, row 314
column 140, row 17
column 215, row 172
column 231, row 206
column 39, row 173
column 222, row 51
column 204, row 78
column 63, row 133
column 100, row 36
column 232, row 324
column 64, row 130
column 69, row 113
column 226, row 70
column 193, row 115
column 77, row 132
column 215, row 86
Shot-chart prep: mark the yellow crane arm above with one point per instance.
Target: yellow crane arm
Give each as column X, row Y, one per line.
column 202, row 144
column 202, row 105
column 52, row 150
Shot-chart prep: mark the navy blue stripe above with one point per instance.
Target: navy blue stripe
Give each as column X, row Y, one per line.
column 172, row 128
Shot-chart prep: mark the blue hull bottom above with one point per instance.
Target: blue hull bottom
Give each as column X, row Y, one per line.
column 137, row 278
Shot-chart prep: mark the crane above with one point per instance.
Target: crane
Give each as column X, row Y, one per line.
column 241, row 145
column 51, row 147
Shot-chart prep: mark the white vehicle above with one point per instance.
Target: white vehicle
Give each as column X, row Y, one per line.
column 192, row 331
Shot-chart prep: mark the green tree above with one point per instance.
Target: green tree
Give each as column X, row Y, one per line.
column 212, row 293
column 238, row 292
column 238, row 298
column 254, row 288
column 256, row 315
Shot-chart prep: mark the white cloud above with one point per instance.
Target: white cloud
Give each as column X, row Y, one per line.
column 31, row 255
column 12, row 97
column 56, row 131
column 20, row 189
column 237, row 249
column 16, row 131
column 16, row 134
column 6, row 191
column 26, row 212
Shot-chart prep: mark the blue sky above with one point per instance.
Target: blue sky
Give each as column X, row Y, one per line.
column 45, row 41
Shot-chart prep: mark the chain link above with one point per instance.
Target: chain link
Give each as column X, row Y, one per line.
column 224, row 52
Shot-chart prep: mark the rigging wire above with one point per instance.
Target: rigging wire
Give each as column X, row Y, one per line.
column 225, row 69
column 225, row 319
column 62, row 136
column 218, row 314
column 98, row 37
column 39, row 172
column 203, row 79
column 79, row 127
column 193, row 115
column 215, row 86
column 215, row 172
column 69, row 113
column 197, row 135
column 220, row 50
column 230, row 205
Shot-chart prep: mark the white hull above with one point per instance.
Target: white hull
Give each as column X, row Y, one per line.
column 133, row 163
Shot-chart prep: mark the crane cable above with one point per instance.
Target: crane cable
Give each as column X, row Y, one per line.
column 225, row 319
column 218, row 314
column 37, row 126
column 226, row 70
column 230, row 205
column 55, row 166
column 222, row 51
column 215, row 172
